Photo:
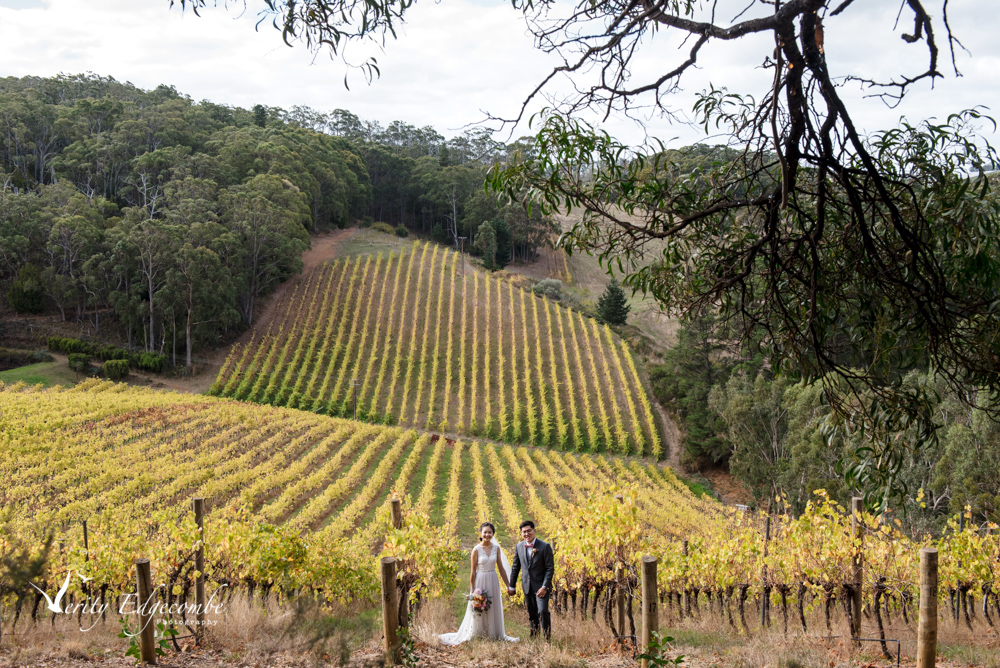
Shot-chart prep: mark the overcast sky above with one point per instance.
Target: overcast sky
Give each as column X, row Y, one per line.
column 454, row 59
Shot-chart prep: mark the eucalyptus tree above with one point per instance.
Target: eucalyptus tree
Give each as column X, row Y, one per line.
column 203, row 290
column 269, row 216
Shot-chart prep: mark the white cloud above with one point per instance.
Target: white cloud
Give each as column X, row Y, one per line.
column 452, row 60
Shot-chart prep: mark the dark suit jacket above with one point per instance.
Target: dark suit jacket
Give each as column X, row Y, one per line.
column 538, row 571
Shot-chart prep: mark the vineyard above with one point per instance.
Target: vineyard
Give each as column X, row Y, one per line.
column 293, row 496
column 425, row 345
column 295, row 499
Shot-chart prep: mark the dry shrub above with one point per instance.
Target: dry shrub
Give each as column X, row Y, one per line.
column 251, row 633
column 572, row 640
column 76, row 650
column 434, row 618
column 26, row 656
column 264, row 631
column 526, row 653
column 63, row 636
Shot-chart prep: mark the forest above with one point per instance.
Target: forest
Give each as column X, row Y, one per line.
column 169, row 219
column 773, row 434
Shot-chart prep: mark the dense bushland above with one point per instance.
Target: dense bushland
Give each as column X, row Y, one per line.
column 173, row 217
column 776, row 435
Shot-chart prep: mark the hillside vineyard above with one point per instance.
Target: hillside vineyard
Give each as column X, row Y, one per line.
column 101, row 447
column 434, row 348
column 123, row 458
column 300, row 501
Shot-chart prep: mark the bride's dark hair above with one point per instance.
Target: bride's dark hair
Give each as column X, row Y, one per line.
column 487, row 524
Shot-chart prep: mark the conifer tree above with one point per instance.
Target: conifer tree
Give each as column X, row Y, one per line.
column 613, row 307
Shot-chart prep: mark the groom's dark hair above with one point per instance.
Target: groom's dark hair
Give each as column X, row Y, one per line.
column 527, row 523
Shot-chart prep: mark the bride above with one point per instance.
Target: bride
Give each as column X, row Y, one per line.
column 489, row 624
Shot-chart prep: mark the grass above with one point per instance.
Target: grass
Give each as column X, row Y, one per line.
column 441, row 487
column 48, row 374
column 242, row 633
column 419, row 474
column 468, row 524
column 368, row 241
column 588, row 280
column 973, row 655
column 697, row 488
column 713, row 639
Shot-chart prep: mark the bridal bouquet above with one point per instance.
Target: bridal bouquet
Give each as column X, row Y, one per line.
column 480, row 601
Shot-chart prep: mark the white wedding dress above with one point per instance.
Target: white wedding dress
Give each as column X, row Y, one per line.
column 490, row 623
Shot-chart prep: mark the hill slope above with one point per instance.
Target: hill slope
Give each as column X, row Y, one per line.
column 431, row 348
column 105, row 452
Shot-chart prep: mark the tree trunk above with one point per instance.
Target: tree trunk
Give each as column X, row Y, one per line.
column 986, row 604
column 849, row 606
column 783, row 590
column 150, row 346
column 827, row 600
column 801, row 595
column 188, row 343
column 593, row 607
column 879, row 592
column 742, row 607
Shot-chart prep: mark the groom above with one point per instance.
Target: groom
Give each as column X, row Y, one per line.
column 536, row 580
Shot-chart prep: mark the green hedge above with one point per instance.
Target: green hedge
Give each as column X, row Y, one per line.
column 79, row 362
column 116, row 369
column 153, row 362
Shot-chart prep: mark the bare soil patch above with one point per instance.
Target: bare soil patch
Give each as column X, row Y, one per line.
column 730, row 489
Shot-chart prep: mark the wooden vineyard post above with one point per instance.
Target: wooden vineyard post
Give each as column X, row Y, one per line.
column 650, row 621
column 620, row 589
column 390, row 610
column 144, row 592
column 620, row 600
column 959, row 593
column 928, row 619
column 397, row 513
column 86, row 559
column 686, row 606
column 857, row 567
column 198, row 504
column 765, row 591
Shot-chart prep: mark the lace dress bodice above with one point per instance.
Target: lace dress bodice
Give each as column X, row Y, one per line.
column 487, row 562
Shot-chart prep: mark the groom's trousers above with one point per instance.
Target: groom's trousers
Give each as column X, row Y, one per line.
column 538, row 613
